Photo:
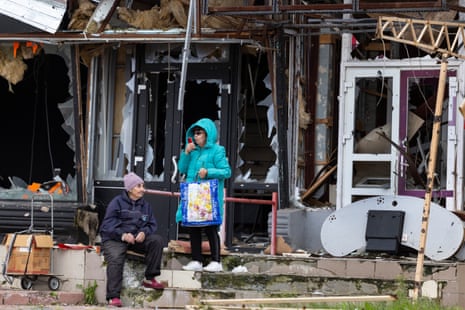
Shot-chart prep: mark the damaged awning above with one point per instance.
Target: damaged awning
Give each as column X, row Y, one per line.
column 42, row 14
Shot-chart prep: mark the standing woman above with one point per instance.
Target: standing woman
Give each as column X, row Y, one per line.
column 202, row 159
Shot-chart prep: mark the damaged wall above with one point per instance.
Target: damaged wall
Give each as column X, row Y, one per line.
column 167, row 14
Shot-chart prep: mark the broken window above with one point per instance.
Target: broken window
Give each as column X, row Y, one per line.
column 173, row 53
column 113, row 103
column 37, row 123
column 421, row 104
column 257, row 147
column 373, row 130
column 115, row 97
column 156, row 118
column 258, row 142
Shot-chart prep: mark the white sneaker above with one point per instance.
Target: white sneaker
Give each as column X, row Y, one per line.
column 213, row 267
column 193, row 266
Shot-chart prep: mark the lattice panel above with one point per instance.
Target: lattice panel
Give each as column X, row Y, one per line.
column 432, row 36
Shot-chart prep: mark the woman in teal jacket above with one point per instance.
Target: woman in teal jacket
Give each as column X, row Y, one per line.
column 204, row 159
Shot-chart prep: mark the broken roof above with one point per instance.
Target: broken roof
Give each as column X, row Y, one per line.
column 46, row 15
column 86, row 21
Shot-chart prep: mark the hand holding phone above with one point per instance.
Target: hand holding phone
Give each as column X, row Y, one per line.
column 190, row 145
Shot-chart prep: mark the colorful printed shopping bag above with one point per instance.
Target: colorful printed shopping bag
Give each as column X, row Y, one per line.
column 199, row 203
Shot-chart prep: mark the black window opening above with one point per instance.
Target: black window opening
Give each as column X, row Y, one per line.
column 37, row 131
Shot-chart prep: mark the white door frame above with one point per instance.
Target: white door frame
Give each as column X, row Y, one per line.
column 350, row 71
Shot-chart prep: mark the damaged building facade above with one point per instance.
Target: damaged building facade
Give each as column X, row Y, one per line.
column 308, row 102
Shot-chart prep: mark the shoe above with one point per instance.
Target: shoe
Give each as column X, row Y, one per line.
column 153, row 284
column 115, row 302
column 193, row 266
column 213, row 267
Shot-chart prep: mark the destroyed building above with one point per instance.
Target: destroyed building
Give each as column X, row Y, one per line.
column 309, row 102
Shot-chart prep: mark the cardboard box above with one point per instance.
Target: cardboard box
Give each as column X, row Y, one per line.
column 31, row 253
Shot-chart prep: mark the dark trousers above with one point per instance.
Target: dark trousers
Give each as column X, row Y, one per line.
column 195, row 234
column 115, row 256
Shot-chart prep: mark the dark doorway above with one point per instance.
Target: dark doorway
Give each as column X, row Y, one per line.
column 200, row 101
column 33, row 140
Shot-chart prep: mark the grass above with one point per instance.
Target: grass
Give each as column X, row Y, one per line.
column 403, row 302
column 400, row 304
column 90, row 297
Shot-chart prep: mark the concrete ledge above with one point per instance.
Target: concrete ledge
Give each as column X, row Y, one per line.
column 21, row 297
column 265, row 276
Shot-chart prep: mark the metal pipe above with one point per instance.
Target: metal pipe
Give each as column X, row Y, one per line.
column 116, row 38
column 185, row 56
column 273, row 202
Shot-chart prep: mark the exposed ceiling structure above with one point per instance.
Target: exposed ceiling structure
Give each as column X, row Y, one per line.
column 149, row 20
column 333, row 7
column 337, row 17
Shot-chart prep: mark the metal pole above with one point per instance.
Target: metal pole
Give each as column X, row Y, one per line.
column 274, row 221
column 185, row 55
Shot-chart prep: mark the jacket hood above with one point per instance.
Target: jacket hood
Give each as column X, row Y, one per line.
column 210, row 128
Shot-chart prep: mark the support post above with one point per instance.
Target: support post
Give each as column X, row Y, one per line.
column 274, row 221
column 282, row 115
column 436, row 134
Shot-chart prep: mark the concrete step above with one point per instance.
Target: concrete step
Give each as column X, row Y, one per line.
column 265, row 276
column 19, row 297
column 244, row 276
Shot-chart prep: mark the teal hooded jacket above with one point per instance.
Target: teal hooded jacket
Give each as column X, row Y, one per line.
column 211, row 157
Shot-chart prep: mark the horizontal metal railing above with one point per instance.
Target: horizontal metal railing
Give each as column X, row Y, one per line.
column 273, row 202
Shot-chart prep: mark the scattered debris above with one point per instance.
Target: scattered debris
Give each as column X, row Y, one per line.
column 241, row 303
column 297, row 254
column 281, row 247
column 11, row 68
column 81, row 15
column 170, row 14
column 181, row 246
column 305, row 118
column 240, row 269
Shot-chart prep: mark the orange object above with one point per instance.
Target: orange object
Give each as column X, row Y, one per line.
column 34, row 187
column 15, row 48
column 56, row 187
column 33, row 45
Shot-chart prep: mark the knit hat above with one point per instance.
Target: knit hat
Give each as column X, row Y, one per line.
column 131, row 180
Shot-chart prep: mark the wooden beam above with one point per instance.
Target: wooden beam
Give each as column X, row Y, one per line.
column 436, row 136
column 293, row 300
column 318, row 183
column 427, row 35
column 101, row 16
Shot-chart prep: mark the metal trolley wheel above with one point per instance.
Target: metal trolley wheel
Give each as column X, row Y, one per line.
column 26, row 283
column 53, row 283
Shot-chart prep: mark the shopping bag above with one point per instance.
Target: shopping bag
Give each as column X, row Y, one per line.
column 199, row 203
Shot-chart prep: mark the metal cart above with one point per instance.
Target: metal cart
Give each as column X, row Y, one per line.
column 27, row 279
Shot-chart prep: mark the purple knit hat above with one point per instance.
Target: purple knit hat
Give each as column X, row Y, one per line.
column 131, row 180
